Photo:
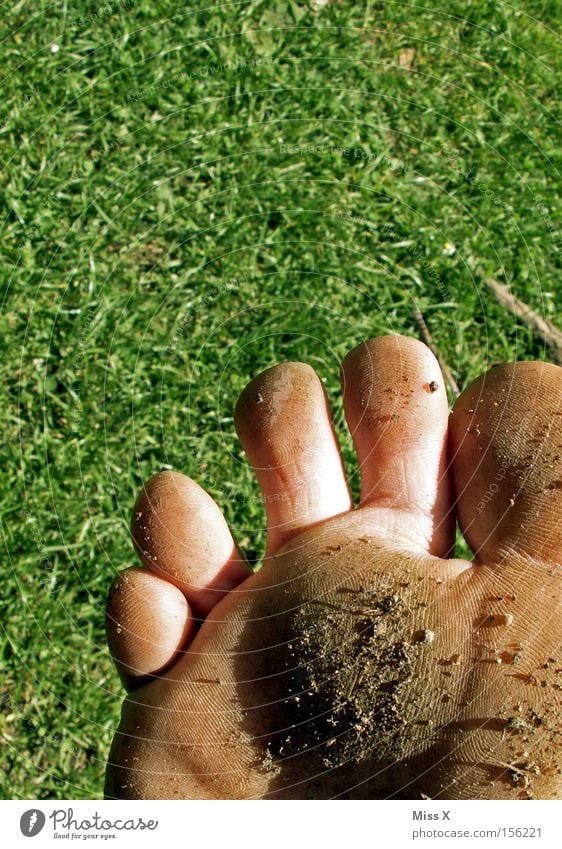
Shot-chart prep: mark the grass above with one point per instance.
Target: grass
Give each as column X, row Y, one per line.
column 189, row 197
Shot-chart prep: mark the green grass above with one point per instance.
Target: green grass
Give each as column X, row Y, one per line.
column 189, row 198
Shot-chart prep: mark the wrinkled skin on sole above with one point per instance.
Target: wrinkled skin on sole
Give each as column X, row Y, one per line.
column 347, row 669
column 354, row 665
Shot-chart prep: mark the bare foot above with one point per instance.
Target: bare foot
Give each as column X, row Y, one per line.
column 362, row 661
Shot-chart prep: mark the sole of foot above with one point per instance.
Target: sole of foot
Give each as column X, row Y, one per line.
column 363, row 660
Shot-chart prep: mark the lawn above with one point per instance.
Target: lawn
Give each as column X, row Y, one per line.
column 191, row 194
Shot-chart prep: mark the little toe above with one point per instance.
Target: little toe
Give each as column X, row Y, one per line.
column 284, row 424
column 148, row 622
column 180, row 534
column 397, row 412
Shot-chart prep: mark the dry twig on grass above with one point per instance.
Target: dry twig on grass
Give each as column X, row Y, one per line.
column 446, row 371
column 541, row 327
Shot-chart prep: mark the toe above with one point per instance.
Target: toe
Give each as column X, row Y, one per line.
column 506, row 431
column 148, row 621
column 284, row 424
column 181, row 535
column 396, row 408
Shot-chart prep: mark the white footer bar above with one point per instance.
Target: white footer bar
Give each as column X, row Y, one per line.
column 281, row 825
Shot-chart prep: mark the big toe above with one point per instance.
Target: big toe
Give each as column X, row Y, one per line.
column 505, row 448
